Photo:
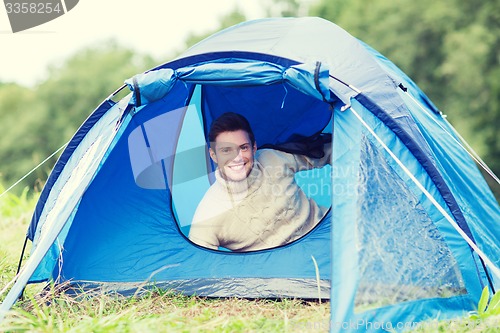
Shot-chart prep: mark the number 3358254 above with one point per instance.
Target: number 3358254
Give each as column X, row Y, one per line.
column 33, row 8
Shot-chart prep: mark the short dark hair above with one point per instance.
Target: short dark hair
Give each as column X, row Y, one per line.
column 230, row 122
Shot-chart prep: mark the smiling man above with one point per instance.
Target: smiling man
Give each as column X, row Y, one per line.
column 234, row 154
column 255, row 202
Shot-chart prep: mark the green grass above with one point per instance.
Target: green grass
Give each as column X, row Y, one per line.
column 163, row 311
column 160, row 312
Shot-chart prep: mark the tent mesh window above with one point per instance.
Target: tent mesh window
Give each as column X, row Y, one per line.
column 398, row 261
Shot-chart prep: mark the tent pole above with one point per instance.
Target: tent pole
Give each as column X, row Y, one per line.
column 22, row 254
column 21, row 261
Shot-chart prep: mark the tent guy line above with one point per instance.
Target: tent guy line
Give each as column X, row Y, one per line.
column 33, row 170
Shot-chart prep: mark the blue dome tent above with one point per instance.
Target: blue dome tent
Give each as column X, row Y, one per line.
column 412, row 232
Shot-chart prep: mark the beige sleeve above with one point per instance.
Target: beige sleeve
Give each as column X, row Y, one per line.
column 203, row 231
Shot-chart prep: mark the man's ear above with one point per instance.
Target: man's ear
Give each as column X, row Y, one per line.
column 255, row 147
column 212, row 155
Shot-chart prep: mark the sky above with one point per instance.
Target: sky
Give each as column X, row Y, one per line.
column 155, row 27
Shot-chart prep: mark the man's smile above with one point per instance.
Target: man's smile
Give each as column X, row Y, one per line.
column 237, row 167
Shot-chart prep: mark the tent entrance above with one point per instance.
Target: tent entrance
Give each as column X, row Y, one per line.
column 184, row 169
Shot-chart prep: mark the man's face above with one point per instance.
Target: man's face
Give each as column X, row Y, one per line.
column 234, row 154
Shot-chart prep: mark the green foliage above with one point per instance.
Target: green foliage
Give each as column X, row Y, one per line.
column 487, row 307
column 12, row 205
column 15, row 214
column 83, row 81
column 36, row 122
column 7, row 270
column 20, row 115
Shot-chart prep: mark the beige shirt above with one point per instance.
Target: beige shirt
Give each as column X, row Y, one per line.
column 266, row 210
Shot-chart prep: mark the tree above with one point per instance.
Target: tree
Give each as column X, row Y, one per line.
column 78, row 86
column 284, row 8
column 20, row 114
column 36, row 122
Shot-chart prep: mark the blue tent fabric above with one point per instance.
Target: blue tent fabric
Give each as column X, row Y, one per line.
column 68, row 151
column 116, row 210
column 426, row 160
column 152, row 86
column 352, row 283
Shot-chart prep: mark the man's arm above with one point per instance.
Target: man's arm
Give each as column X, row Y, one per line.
column 295, row 162
column 203, row 227
column 203, row 234
column 306, row 163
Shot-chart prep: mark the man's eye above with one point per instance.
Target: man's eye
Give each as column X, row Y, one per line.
column 225, row 150
column 245, row 148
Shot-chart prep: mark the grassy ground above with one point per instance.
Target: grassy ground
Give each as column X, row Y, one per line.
column 159, row 310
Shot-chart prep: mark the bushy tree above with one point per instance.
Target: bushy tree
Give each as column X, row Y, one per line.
column 20, row 115
column 36, row 122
